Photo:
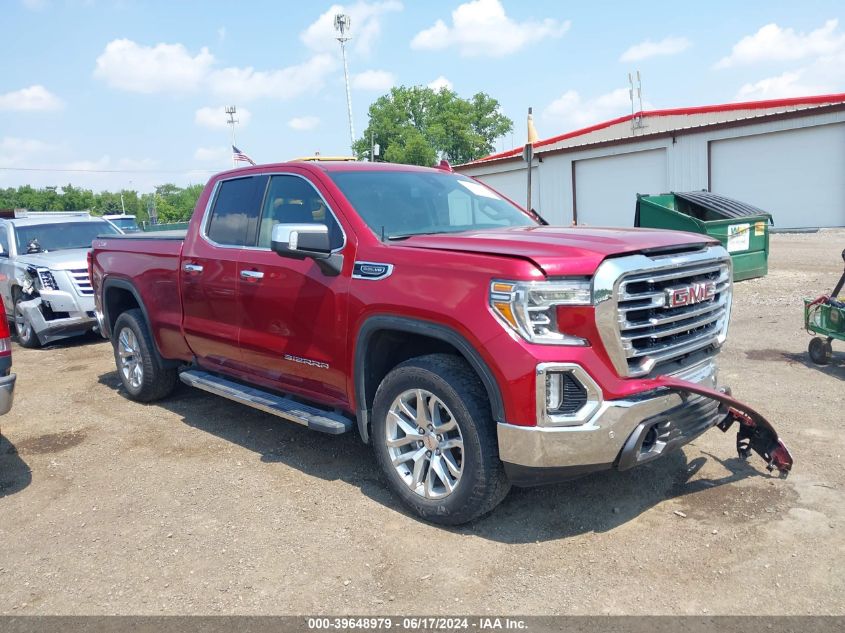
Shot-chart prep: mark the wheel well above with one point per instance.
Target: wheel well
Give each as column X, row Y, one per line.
column 117, row 301
column 388, row 348
column 385, row 346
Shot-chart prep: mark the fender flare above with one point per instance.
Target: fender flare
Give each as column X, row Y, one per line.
column 125, row 284
column 444, row 333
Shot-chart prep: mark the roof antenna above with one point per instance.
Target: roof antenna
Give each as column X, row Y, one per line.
column 636, row 117
column 640, row 92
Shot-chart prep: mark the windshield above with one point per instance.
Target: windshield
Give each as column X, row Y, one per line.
column 399, row 204
column 126, row 224
column 57, row 236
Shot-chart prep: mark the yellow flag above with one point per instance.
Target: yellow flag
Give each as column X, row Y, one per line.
column 532, row 132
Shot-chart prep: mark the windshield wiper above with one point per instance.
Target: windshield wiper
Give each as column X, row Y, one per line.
column 539, row 217
column 405, row 236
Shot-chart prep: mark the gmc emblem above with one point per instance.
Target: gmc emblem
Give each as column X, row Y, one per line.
column 678, row 296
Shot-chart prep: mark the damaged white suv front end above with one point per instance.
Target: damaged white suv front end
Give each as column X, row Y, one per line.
column 44, row 280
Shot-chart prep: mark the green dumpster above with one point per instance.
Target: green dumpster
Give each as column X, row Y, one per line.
column 741, row 228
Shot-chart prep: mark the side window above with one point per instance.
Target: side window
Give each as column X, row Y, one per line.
column 4, row 240
column 293, row 200
column 234, row 217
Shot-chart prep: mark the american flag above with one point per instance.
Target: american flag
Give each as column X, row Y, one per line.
column 239, row 155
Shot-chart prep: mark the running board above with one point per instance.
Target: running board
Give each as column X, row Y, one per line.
column 291, row 410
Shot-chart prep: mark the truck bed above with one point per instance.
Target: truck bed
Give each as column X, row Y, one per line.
column 152, row 235
column 148, row 263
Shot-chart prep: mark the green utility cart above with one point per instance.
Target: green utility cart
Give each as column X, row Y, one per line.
column 825, row 315
column 740, row 227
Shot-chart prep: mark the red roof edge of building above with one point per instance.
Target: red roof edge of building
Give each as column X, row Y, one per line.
column 722, row 107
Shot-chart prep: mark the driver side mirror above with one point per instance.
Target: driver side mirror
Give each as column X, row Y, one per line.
column 301, row 240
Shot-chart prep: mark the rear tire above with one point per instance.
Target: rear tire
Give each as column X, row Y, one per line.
column 820, row 351
column 139, row 366
column 439, row 481
column 23, row 328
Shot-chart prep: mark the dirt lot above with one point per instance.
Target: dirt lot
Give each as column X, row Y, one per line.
column 198, row 505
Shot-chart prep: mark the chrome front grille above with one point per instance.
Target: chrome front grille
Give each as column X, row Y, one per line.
column 81, row 281
column 639, row 324
column 652, row 332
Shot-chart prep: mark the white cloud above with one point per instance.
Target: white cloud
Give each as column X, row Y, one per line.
column 438, row 84
column 134, row 67
column 14, row 151
column 667, row 46
column 171, row 68
column 247, row 84
column 573, row 111
column 35, row 97
column 786, row 85
column 303, row 123
column 365, row 26
column 213, row 154
column 481, row 28
column 773, row 43
column 825, row 75
column 34, row 5
column 215, row 118
column 377, row 80
column 221, row 33
column 821, row 54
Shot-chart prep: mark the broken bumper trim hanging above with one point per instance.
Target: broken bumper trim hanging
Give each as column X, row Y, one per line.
column 54, row 329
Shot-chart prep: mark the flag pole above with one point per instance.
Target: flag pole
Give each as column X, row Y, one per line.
column 528, row 154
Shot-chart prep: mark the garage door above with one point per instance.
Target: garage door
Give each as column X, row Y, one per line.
column 514, row 185
column 606, row 188
column 798, row 176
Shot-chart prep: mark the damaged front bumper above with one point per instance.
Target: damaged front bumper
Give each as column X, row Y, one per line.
column 625, row 433
column 53, row 329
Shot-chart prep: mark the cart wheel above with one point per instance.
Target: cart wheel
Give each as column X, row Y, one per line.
column 820, row 351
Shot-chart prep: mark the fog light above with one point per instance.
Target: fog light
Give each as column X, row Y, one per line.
column 565, row 395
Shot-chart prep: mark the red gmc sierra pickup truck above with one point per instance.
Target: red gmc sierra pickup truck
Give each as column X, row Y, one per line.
column 471, row 344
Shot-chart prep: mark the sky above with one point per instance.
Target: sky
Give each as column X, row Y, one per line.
column 113, row 94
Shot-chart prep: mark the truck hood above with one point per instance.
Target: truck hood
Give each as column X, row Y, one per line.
column 557, row 250
column 70, row 259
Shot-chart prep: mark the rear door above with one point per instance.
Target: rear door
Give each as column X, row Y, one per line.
column 209, row 271
column 293, row 315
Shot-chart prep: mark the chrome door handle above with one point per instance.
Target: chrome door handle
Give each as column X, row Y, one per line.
column 192, row 268
column 252, row 274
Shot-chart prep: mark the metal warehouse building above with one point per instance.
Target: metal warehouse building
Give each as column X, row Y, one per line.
column 785, row 156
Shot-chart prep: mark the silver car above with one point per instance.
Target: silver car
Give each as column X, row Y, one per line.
column 44, row 273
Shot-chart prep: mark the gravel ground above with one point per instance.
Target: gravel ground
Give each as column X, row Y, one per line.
column 198, row 505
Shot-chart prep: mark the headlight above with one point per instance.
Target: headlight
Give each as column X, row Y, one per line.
column 41, row 278
column 529, row 307
column 47, row 280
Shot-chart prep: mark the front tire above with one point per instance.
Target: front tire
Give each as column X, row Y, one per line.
column 435, row 440
column 23, row 328
column 139, row 366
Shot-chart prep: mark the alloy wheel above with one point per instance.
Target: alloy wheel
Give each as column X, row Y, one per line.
column 131, row 365
column 425, row 444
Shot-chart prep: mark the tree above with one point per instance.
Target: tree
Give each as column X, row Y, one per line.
column 411, row 148
column 174, row 204
column 414, row 125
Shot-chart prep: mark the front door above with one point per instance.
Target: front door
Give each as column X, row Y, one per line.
column 293, row 316
column 209, row 271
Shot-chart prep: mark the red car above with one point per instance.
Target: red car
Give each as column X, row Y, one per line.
column 472, row 345
column 7, row 378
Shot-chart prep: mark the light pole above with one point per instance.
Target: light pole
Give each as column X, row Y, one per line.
column 341, row 25
column 231, row 111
